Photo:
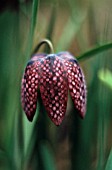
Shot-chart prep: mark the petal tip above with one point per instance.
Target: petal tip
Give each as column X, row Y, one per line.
column 82, row 115
column 82, row 112
column 30, row 118
column 29, row 115
column 57, row 122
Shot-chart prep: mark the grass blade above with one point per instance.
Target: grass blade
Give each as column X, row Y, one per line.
column 28, row 130
column 71, row 28
column 95, row 51
column 109, row 162
column 47, row 157
column 33, row 23
column 51, row 27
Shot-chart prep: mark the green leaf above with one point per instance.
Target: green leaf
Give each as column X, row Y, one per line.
column 47, row 157
column 33, row 23
column 4, row 160
column 109, row 162
column 28, row 130
column 73, row 24
column 51, row 26
column 69, row 31
column 94, row 51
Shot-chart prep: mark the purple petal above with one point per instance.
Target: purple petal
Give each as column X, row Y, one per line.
column 54, row 88
column 29, row 88
column 76, row 83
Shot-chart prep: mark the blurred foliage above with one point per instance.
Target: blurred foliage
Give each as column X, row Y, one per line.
column 82, row 27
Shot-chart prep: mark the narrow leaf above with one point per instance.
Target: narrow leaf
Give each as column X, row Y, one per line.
column 109, row 162
column 28, row 130
column 33, row 23
column 47, row 157
column 70, row 30
column 94, row 51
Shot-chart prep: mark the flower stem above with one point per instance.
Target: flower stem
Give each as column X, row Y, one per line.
column 44, row 41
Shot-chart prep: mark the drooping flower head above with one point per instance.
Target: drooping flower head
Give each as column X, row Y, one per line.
column 54, row 75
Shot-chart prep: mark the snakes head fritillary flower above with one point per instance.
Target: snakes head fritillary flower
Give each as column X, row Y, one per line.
column 54, row 74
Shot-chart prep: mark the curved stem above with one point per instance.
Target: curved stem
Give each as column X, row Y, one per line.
column 44, row 41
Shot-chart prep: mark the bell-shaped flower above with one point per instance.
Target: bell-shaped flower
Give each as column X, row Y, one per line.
column 54, row 74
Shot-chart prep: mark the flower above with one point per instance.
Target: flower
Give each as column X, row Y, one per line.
column 54, row 74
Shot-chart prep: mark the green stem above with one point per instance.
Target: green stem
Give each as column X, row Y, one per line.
column 44, row 41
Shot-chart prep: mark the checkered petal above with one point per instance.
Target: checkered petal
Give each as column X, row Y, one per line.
column 54, row 88
column 29, row 87
column 76, row 82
